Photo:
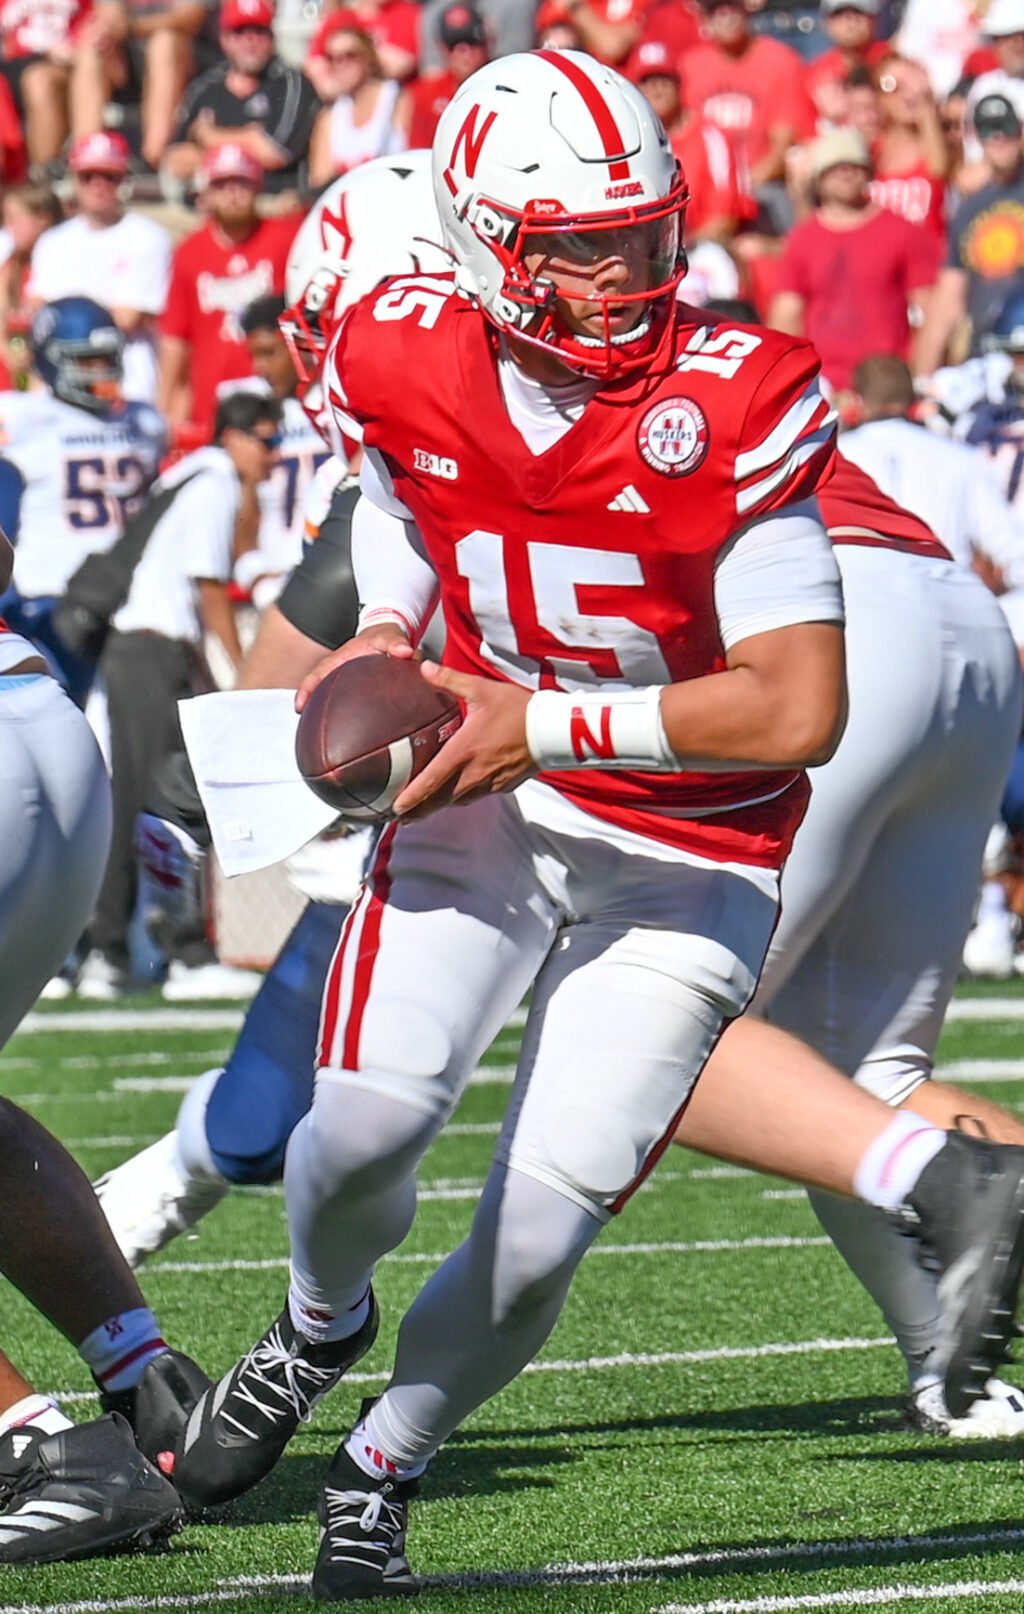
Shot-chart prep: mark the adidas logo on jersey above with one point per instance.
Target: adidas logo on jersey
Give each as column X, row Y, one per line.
column 630, row 501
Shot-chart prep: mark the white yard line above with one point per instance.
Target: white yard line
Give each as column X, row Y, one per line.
column 625, row 1359
column 434, row 1258
column 134, row 1020
column 968, row 1071
column 612, row 1571
column 867, row 1597
column 986, row 1009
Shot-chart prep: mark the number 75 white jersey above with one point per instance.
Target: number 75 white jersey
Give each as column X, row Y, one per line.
column 81, row 476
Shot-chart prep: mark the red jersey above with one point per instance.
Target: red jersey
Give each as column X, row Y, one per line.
column 593, row 563
column 749, row 95
column 212, row 282
column 855, row 285
column 919, row 197
column 856, row 511
column 717, row 187
column 37, row 27
column 430, row 95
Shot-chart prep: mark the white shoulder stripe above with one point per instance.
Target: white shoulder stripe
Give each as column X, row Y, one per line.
column 792, row 425
column 751, row 495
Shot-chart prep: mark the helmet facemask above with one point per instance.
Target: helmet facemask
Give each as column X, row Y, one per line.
column 89, row 374
column 543, row 250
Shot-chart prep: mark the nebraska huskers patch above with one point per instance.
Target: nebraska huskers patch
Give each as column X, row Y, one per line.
column 674, row 437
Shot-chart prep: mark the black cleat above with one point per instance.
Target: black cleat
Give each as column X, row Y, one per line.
column 363, row 1525
column 240, row 1427
column 158, row 1407
column 967, row 1209
column 85, row 1491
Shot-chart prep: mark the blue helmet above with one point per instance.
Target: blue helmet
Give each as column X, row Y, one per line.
column 78, row 352
column 1007, row 334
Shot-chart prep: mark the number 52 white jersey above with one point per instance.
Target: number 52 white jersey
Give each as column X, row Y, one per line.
column 81, row 476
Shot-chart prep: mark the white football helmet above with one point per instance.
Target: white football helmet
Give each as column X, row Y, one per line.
column 375, row 221
column 547, row 154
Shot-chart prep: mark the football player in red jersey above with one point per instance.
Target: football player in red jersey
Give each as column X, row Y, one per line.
column 613, row 500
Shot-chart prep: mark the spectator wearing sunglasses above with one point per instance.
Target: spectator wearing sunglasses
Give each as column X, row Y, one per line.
column 368, row 114
column 252, row 99
column 236, row 257
column 105, row 248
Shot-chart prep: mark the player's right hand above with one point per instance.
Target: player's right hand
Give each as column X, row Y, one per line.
column 382, row 639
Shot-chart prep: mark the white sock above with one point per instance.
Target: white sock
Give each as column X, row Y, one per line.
column 891, row 1165
column 993, row 901
column 321, row 1326
column 193, row 1145
column 34, row 1412
column 119, row 1350
column 364, row 1446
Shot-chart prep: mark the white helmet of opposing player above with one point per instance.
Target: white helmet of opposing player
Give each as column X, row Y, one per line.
column 375, row 221
column 551, row 156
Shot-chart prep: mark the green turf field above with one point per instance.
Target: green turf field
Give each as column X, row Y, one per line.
column 713, row 1427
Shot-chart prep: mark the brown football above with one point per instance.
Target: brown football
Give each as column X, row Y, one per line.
column 370, row 727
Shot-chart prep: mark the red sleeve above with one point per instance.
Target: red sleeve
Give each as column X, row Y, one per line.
column 176, row 319
column 285, row 230
column 400, row 25
column 788, row 436
column 12, row 138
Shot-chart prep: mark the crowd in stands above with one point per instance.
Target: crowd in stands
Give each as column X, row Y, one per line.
column 856, row 167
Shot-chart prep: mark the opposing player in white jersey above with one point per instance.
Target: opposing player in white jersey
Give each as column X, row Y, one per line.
column 74, row 462
column 635, row 905
column 66, row 1490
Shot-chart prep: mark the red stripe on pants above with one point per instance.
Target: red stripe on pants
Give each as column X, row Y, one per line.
column 379, row 887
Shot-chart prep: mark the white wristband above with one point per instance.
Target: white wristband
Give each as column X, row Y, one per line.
column 379, row 614
column 599, row 729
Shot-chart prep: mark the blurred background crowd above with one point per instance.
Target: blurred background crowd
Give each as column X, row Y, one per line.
column 857, row 176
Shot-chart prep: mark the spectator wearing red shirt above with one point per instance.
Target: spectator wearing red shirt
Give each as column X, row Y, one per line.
column 851, row 270
column 852, row 27
column 464, row 39
column 752, row 88
column 235, row 258
column 37, row 38
column 912, row 155
column 393, row 25
column 719, row 204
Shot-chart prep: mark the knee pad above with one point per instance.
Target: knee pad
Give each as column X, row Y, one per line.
column 893, row 1077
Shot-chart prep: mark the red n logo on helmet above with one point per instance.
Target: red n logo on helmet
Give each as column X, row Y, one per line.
column 473, row 141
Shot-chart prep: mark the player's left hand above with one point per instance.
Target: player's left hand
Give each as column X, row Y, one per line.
column 486, row 755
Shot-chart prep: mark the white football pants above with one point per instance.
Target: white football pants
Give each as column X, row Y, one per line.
column 880, row 887
column 54, row 837
column 636, row 959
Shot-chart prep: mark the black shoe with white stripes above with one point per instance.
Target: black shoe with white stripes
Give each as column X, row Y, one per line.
column 85, row 1491
column 362, row 1536
column 967, row 1209
column 240, row 1427
column 159, row 1406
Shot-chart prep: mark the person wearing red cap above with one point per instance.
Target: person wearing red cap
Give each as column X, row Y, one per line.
column 464, row 40
column 719, row 200
column 144, row 49
column 103, row 246
column 236, row 257
column 252, row 99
